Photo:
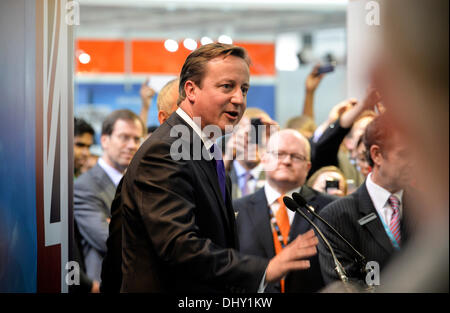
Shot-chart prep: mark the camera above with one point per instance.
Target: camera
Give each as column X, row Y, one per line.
column 331, row 184
column 255, row 131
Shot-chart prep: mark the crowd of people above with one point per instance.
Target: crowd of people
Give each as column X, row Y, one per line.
column 147, row 221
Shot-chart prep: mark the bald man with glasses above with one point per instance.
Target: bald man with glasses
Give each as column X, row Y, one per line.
column 265, row 226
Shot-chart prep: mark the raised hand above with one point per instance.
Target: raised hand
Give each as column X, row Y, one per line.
column 293, row 257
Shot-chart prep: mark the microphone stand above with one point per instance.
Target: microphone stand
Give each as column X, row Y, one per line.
column 360, row 259
column 293, row 206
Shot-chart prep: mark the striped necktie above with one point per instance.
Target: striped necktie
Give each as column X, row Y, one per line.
column 246, row 188
column 394, row 226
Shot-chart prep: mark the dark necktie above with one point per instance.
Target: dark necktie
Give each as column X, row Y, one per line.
column 220, row 169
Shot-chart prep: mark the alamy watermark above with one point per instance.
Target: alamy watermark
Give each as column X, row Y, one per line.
column 72, row 15
column 373, row 273
column 241, row 147
column 73, row 273
column 373, row 16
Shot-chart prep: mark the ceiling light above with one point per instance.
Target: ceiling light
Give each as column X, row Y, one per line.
column 190, row 44
column 171, row 45
column 84, row 58
column 206, row 40
column 225, row 39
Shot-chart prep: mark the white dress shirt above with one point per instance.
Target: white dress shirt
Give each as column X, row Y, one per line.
column 112, row 173
column 206, row 141
column 252, row 182
column 380, row 200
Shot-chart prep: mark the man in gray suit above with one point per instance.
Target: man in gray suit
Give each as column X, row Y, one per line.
column 122, row 132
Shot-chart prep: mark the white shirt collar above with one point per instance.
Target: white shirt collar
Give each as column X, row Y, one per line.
column 206, row 141
column 272, row 196
column 112, row 173
column 380, row 197
column 240, row 170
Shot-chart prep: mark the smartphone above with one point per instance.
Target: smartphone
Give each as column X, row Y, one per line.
column 331, row 185
column 255, row 135
column 325, row 69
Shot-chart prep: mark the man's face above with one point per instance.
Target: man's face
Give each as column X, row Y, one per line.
column 394, row 165
column 356, row 132
column 289, row 166
column 120, row 147
column 81, row 145
column 222, row 98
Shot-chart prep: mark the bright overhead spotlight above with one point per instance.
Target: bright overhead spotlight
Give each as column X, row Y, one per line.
column 190, row 44
column 206, row 40
column 225, row 39
column 171, row 45
column 84, row 58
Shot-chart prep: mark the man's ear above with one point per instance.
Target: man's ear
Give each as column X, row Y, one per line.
column 308, row 166
column 162, row 116
column 190, row 89
column 375, row 154
column 104, row 139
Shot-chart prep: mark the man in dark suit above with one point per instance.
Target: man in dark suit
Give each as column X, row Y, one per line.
column 94, row 190
column 112, row 262
column 374, row 218
column 179, row 231
column 256, row 227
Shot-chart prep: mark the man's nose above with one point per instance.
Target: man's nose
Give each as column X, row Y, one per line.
column 238, row 97
column 133, row 143
column 287, row 159
column 85, row 151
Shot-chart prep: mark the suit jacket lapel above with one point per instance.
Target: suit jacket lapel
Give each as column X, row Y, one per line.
column 109, row 189
column 208, row 166
column 375, row 227
column 260, row 217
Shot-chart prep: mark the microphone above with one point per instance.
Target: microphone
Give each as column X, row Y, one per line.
column 293, row 206
column 360, row 259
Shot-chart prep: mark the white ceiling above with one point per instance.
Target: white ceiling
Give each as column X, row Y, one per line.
column 248, row 20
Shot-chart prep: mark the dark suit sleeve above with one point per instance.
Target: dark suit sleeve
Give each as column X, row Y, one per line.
column 112, row 262
column 167, row 194
column 337, row 214
column 325, row 151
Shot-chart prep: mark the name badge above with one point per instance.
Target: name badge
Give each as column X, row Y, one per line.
column 366, row 219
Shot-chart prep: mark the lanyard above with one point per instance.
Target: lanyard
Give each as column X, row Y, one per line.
column 390, row 235
column 276, row 229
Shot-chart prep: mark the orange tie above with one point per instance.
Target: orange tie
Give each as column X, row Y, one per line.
column 282, row 219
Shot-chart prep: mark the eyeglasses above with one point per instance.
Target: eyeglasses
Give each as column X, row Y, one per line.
column 281, row 155
column 125, row 138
